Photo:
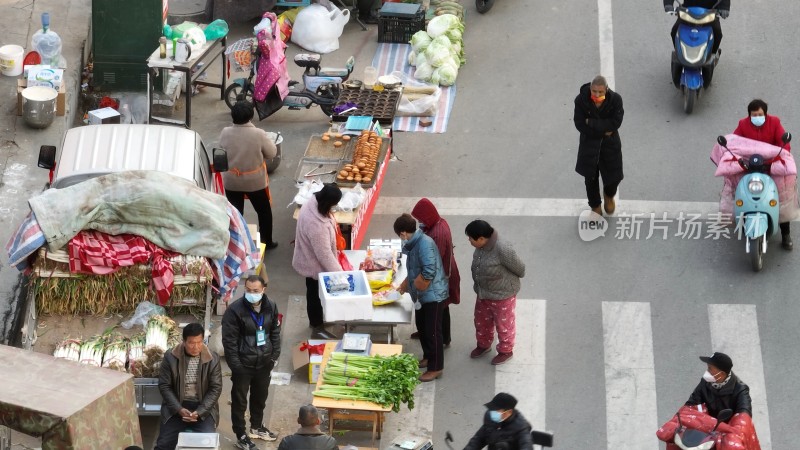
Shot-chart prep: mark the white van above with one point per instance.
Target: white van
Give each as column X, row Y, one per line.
column 94, row 150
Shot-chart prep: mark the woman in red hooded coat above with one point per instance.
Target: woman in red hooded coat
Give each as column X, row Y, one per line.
column 760, row 126
column 437, row 228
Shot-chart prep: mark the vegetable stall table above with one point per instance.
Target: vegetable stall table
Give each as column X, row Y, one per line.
column 192, row 70
column 354, row 410
column 353, row 223
column 391, row 315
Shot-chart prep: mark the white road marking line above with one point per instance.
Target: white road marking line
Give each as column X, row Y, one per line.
column 631, row 412
column 539, row 207
column 606, row 29
column 524, row 375
column 734, row 331
column 418, row 421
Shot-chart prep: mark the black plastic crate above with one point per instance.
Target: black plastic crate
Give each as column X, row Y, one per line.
column 398, row 27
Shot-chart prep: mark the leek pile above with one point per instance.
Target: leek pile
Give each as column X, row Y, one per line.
column 115, row 354
column 385, row 380
column 157, row 332
column 69, row 349
column 92, row 351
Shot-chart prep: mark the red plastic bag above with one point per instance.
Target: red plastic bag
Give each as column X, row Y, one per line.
column 344, row 262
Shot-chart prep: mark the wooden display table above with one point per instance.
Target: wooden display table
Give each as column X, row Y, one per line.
column 355, row 410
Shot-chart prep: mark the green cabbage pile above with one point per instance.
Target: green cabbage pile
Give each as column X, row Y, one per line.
column 438, row 52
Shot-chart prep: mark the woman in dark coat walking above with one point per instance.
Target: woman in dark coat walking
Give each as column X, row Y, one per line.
column 598, row 116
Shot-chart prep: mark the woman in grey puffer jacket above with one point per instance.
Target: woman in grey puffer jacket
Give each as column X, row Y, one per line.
column 496, row 271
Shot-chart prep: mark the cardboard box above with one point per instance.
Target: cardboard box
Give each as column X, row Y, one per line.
column 45, row 76
column 61, row 101
column 302, row 356
column 103, row 116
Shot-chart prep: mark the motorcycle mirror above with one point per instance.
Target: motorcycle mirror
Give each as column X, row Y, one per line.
column 786, row 138
column 722, row 141
column 542, row 438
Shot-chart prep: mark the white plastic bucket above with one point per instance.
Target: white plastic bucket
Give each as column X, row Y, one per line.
column 11, row 60
column 39, row 106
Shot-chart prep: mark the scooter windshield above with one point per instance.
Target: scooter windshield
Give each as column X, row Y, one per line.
column 693, row 438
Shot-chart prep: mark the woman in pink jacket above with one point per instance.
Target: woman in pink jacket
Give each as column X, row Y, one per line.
column 315, row 250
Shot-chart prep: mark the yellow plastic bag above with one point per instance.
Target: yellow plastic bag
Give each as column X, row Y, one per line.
column 385, row 297
column 379, row 279
column 286, row 22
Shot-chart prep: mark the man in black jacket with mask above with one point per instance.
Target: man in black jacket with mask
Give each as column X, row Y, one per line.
column 720, row 388
column 503, row 428
column 251, row 337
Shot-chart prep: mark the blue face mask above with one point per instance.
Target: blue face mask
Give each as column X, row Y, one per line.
column 758, row 120
column 253, row 297
column 496, row 416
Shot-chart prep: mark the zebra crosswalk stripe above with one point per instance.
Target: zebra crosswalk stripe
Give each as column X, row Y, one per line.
column 528, row 363
column 631, row 412
column 734, row 331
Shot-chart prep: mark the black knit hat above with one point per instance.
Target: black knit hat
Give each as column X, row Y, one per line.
column 502, row 402
column 719, row 360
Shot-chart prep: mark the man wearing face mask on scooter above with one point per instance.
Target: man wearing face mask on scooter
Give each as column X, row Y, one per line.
column 251, row 337
column 503, row 428
column 720, row 388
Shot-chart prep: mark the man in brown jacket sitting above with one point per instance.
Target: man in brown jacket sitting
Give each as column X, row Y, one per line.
column 190, row 383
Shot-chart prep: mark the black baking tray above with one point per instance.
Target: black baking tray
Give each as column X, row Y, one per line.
column 381, row 105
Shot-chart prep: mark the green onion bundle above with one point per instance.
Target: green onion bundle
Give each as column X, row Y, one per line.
column 157, row 332
column 115, row 354
column 136, row 347
column 385, row 380
column 69, row 349
column 92, row 351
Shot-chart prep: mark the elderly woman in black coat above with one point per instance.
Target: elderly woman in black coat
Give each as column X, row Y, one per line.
column 598, row 116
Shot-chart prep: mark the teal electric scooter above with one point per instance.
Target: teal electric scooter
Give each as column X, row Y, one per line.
column 756, row 206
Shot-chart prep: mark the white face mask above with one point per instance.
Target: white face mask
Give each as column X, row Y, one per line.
column 253, row 297
column 708, row 377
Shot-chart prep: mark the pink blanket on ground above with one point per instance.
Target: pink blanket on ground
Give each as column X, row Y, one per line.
column 783, row 171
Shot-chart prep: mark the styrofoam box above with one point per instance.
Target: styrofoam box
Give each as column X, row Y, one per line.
column 347, row 306
column 198, row 441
